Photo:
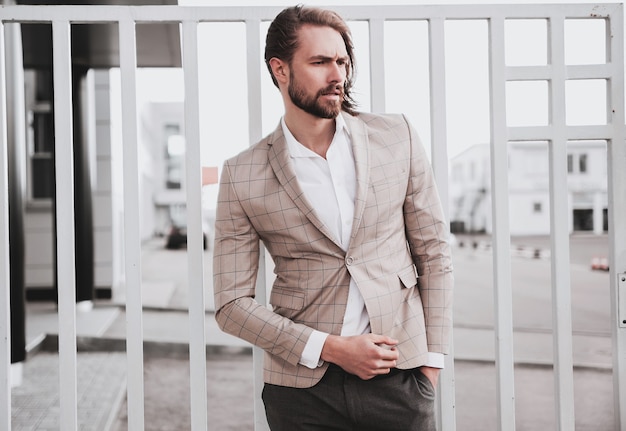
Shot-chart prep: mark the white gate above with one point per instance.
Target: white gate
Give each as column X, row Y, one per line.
column 557, row 133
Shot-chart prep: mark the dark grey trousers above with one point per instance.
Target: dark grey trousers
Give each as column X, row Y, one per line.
column 399, row 401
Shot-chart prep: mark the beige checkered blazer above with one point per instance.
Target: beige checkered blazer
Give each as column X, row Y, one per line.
column 398, row 232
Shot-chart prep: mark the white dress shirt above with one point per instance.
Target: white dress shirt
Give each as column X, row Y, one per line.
column 330, row 186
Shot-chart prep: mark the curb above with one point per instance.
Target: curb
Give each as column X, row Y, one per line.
column 50, row 343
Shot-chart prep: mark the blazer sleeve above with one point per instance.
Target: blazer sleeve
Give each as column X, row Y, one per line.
column 427, row 234
column 235, row 268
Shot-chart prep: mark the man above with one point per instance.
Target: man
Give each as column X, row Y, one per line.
column 347, row 207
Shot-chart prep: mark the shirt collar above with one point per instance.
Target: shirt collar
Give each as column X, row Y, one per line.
column 296, row 149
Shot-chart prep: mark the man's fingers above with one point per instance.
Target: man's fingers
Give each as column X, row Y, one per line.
column 389, row 353
column 383, row 339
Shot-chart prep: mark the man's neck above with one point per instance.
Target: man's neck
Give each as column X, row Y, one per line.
column 313, row 132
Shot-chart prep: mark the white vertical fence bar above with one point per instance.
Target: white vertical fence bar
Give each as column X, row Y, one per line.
column 255, row 131
column 501, row 235
column 132, row 240
column 254, row 61
column 617, row 208
column 559, row 212
column 64, row 156
column 197, row 336
column 446, row 403
column 5, row 281
column 438, row 121
column 377, row 64
column 196, row 303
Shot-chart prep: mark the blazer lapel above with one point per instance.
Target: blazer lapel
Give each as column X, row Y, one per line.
column 360, row 149
column 279, row 160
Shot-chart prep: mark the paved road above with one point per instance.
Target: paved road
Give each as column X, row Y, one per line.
column 532, row 291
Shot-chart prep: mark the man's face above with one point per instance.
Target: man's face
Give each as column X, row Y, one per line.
column 318, row 71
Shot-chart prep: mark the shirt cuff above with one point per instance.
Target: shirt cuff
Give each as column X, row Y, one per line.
column 435, row 360
column 313, row 350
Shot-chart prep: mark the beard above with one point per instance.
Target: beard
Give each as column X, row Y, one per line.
column 313, row 105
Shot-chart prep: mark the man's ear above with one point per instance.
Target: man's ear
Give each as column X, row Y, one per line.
column 280, row 69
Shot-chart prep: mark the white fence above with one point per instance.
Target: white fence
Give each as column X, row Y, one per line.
column 556, row 72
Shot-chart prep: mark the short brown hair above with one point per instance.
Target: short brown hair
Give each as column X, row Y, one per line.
column 282, row 40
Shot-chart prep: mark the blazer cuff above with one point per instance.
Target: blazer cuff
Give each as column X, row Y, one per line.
column 313, row 350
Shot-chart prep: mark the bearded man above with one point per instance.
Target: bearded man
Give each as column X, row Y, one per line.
column 346, row 204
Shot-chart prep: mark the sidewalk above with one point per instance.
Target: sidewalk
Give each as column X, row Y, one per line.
column 101, row 368
column 102, row 372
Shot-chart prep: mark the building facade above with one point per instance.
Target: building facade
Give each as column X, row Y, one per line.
column 161, row 149
column 529, row 182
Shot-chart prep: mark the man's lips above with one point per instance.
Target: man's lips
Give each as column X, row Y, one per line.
column 332, row 91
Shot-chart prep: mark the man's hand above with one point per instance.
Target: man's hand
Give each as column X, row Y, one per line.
column 432, row 374
column 365, row 355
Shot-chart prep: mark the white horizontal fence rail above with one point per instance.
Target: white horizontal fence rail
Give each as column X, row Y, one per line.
column 557, row 133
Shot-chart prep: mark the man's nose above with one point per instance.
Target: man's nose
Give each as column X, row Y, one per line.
column 337, row 73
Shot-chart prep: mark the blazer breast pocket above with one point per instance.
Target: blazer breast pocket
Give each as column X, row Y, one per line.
column 388, row 191
column 385, row 185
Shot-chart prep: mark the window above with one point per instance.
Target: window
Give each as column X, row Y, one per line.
column 582, row 163
column 40, row 135
column 570, row 163
column 174, row 157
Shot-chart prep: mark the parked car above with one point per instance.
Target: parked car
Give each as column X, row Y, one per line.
column 176, row 236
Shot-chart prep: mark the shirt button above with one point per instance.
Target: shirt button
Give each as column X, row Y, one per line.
column 349, row 260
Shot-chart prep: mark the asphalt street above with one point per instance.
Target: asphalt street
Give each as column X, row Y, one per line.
column 532, row 289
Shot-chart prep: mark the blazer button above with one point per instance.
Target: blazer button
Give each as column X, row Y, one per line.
column 349, row 260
